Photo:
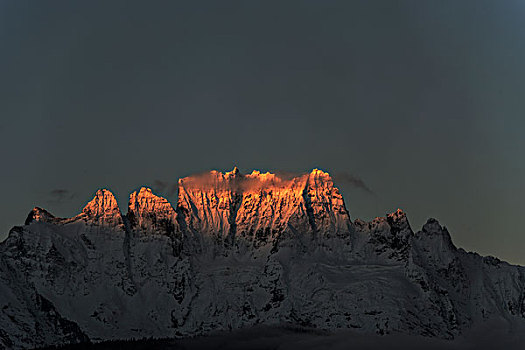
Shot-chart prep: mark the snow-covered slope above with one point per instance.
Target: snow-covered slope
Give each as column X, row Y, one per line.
column 241, row 250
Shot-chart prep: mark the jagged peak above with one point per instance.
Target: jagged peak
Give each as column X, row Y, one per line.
column 214, row 201
column 146, row 199
column 150, row 212
column 432, row 226
column 398, row 220
column 103, row 200
column 398, row 213
column 320, row 178
column 319, row 173
column 215, row 190
column 392, row 223
column 235, row 172
column 103, row 209
column 38, row 214
column 432, row 230
column 145, row 193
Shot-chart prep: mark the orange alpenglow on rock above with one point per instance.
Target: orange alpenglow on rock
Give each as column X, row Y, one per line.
column 39, row 215
column 256, row 207
column 262, row 205
column 102, row 210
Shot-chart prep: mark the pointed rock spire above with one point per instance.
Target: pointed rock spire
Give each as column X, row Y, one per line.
column 432, row 226
column 39, row 215
column 326, row 203
column 103, row 210
column 233, row 173
column 433, row 230
column 149, row 212
column 398, row 221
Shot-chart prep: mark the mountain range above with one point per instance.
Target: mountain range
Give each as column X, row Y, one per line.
column 239, row 251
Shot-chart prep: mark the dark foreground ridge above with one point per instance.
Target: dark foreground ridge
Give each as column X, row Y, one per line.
column 243, row 251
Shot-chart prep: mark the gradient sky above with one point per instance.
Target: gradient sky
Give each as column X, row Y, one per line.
column 422, row 100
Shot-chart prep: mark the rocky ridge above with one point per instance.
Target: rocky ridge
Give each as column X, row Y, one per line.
column 238, row 251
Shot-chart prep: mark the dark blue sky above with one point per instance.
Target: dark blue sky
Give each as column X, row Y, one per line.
column 422, row 100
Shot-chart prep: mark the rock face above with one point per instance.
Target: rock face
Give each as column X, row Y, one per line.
column 150, row 213
column 102, row 210
column 207, row 203
column 241, row 250
column 260, row 208
column 39, row 214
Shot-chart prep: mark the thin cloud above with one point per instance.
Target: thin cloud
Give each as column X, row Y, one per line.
column 60, row 195
column 354, row 181
column 165, row 187
column 245, row 182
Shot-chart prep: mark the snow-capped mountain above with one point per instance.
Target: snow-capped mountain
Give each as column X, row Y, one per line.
column 241, row 250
